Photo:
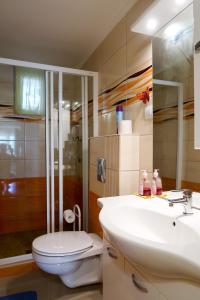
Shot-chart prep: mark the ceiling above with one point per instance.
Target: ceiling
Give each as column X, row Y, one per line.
column 158, row 15
column 60, row 32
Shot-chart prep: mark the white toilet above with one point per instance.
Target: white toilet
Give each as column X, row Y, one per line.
column 75, row 256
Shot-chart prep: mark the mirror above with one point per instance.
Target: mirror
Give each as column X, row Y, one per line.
column 173, row 98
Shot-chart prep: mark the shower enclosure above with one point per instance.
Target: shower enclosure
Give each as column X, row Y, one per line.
column 46, row 113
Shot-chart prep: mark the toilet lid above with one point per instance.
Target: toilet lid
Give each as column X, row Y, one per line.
column 62, row 243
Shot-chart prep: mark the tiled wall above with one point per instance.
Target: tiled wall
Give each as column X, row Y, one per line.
column 122, row 54
column 122, row 164
column 22, row 176
column 22, row 149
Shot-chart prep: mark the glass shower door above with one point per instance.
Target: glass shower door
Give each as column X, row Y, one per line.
column 68, row 146
column 22, row 166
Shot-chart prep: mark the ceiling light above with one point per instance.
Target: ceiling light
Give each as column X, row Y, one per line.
column 173, row 30
column 180, row 2
column 75, row 105
column 158, row 14
column 152, row 24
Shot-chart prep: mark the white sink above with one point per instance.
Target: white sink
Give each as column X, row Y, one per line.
column 149, row 234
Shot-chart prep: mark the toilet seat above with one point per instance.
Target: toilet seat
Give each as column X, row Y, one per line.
column 62, row 243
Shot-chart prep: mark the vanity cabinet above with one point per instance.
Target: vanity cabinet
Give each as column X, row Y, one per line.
column 113, row 273
column 177, row 289
column 137, row 286
column 122, row 281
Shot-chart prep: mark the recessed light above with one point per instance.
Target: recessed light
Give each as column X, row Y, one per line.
column 173, row 30
column 152, row 24
column 180, row 2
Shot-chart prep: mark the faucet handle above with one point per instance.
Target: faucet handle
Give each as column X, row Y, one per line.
column 187, row 193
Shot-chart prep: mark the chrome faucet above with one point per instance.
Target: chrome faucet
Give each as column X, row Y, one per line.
column 186, row 200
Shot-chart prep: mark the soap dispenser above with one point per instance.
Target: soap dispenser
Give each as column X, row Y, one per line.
column 158, row 182
column 153, row 184
column 145, row 187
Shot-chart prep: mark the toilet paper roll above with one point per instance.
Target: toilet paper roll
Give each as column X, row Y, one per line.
column 69, row 216
column 125, row 127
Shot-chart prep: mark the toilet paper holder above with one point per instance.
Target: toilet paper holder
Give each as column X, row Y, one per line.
column 71, row 215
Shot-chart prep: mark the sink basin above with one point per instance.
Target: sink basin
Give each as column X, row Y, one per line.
column 153, row 235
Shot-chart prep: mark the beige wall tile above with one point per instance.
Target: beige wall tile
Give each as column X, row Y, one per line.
column 35, row 131
column 188, row 91
column 107, row 123
column 184, row 170
column 128, row 152
column 146, row 153
column 191, row 171
column 112, row 183
column 11, row 130
column 112, row 152
column 12, row 169
column 168, row 168
column 6, row 93
column 35, row 150
column 34, row 168
column 191, row 130
column 157, row 133
column 115, row 68
column 11, row 150
column 141, row 126
column 7, row 84
column 128, row 182
column 113, row 42
column 164, row 150
column 189, row 153
column 96, row 186
column 138, row 53
column 93, row 63
column 169, row 150
column 169, row 130
column 97, row 149
column 157, row 154
column 186, row 130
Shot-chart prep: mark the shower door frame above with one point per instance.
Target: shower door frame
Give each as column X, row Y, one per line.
column 49, row 71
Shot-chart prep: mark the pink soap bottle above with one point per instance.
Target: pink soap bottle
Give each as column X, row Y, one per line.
column 145, row 187
column 158, row 181
column 153, row 184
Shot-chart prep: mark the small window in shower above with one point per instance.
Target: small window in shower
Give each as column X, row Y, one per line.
column 29, row 91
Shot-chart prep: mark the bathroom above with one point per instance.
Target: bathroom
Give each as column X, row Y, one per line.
column 76, row 180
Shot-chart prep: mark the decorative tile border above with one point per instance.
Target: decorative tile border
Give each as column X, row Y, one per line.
column 124, row 93
column 169, row 113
